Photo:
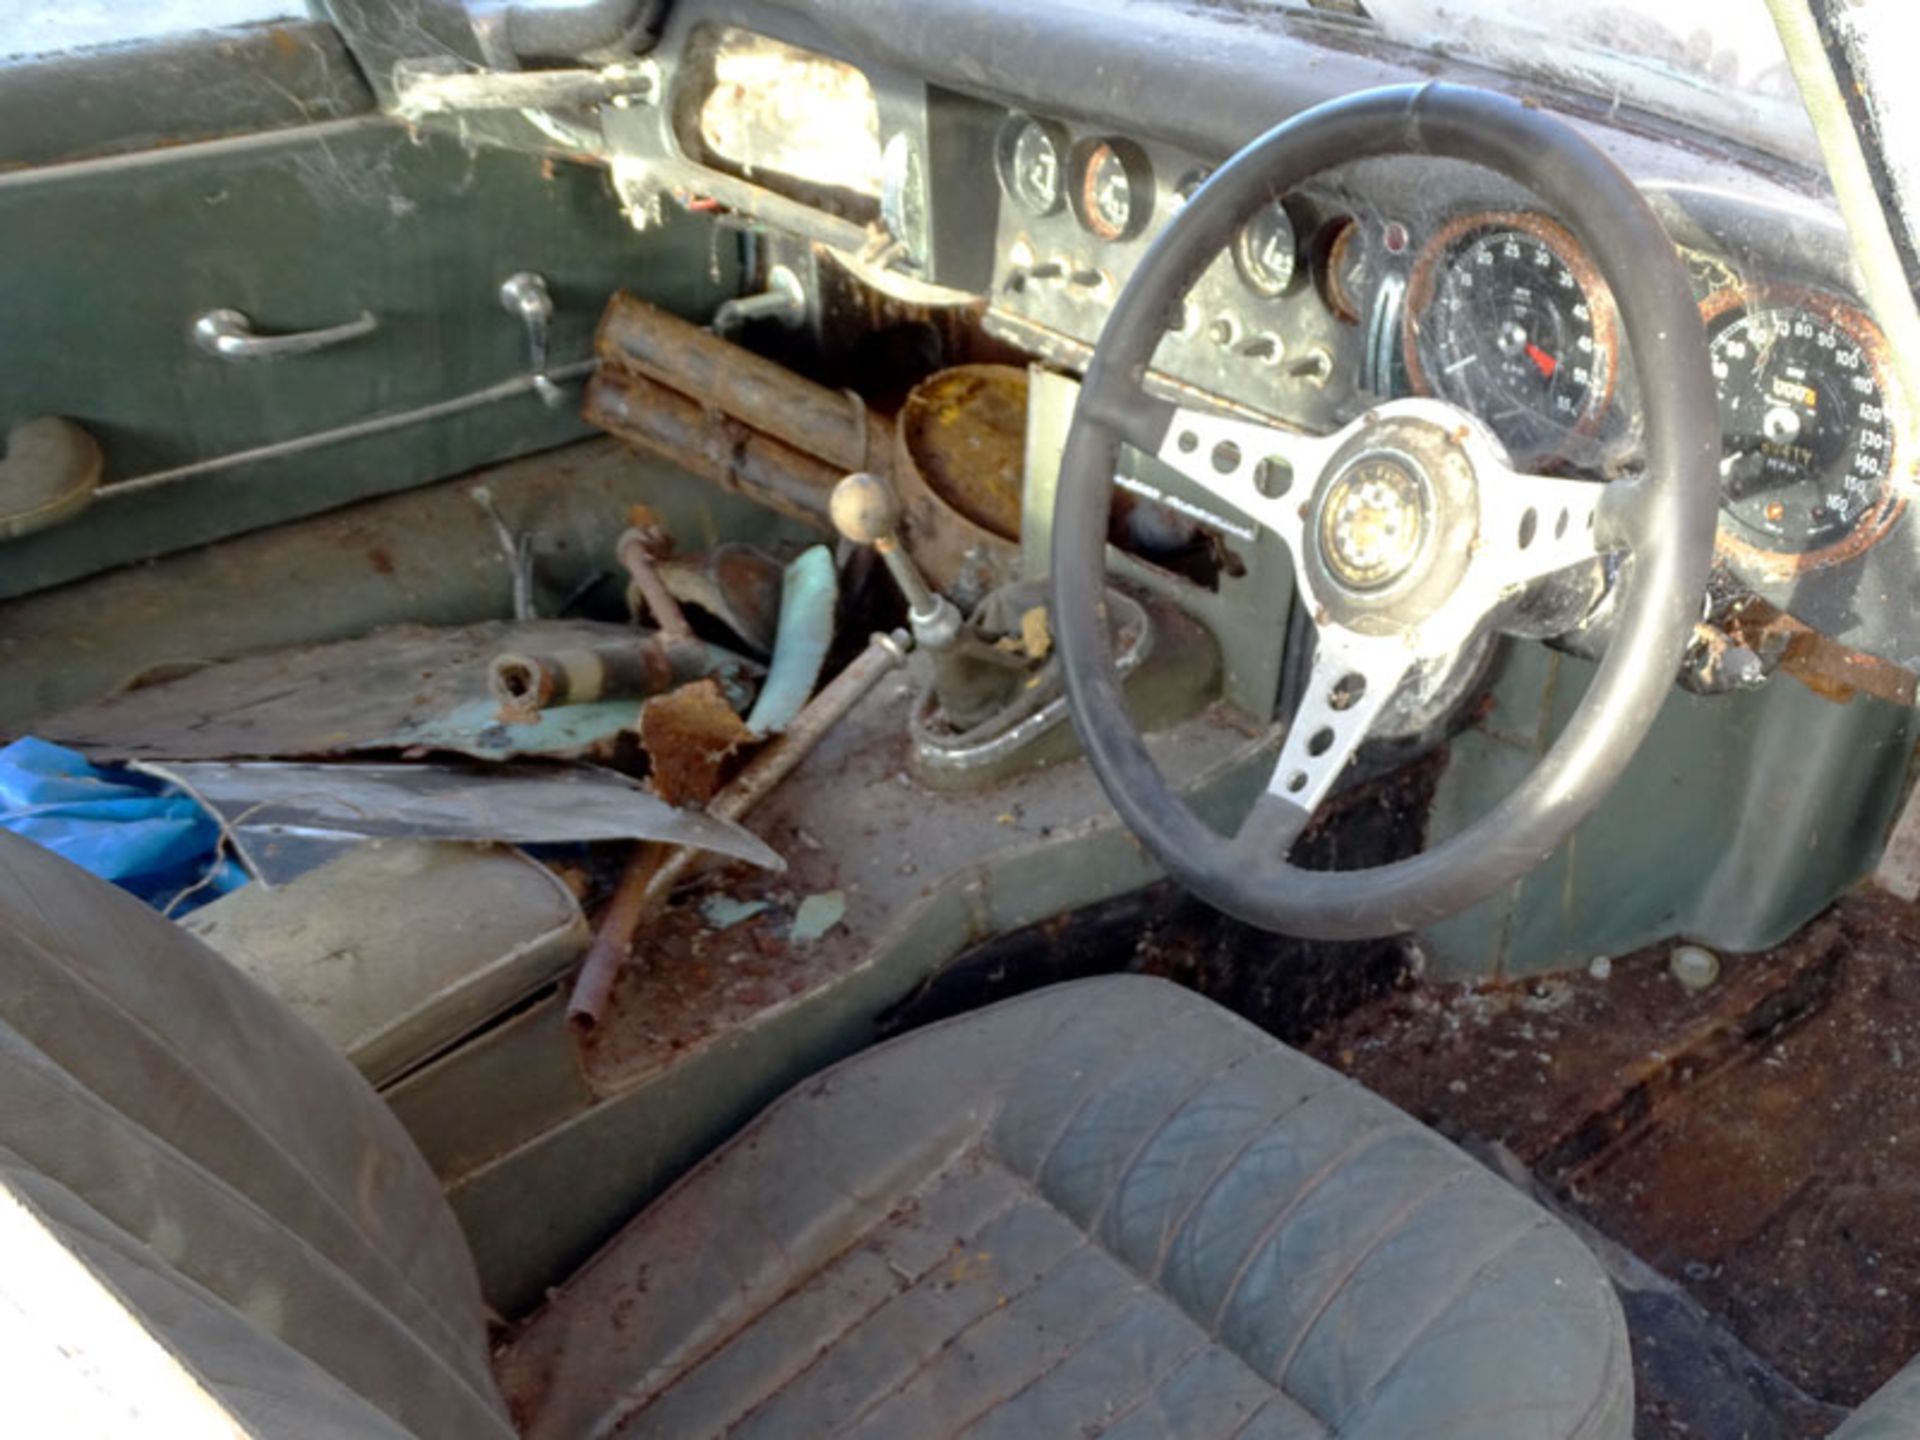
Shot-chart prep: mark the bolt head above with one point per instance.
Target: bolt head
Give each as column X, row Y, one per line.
column 1694, row 967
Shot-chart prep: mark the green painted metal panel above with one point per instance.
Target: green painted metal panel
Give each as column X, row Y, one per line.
column 182, row 88
column 1740, row 819
column 110, row 261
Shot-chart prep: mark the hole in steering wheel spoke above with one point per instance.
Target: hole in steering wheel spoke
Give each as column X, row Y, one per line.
column 1347, row 691
column 1226, row 457
column 1273, row 477
column 1529, row 527
column 1296, row 782
column 1320, row 741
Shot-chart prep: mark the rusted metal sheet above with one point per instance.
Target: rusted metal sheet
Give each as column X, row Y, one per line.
column 656, row 417
column 960, row 470
column 1753, row 1141
column 286, row 819
column 830, row 424
column 756, row 427
column 409, row 687
column 736, row 584
column 688, row 736
column 1823, row 665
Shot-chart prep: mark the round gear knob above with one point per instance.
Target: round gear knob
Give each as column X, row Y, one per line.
column 866, row 510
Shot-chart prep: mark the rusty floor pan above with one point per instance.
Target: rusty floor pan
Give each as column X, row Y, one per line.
column 1758, row 1143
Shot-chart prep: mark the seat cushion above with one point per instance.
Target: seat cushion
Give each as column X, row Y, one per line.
column 1108, row 1208
column 1891, row 1413
column 231, row 1181
column 399, row 948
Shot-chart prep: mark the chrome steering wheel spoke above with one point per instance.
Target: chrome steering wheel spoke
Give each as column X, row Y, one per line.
column 1351, row 683
column 1263, row 472
column 1533, row 526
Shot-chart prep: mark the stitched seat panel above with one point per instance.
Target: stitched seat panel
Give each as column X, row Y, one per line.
column 1109, row 1208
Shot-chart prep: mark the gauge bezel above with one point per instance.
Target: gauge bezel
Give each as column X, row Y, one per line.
column 1424, row 282
column 1140, row 187
column 1248, row 267
column 1011, row 132
column 1873, row 526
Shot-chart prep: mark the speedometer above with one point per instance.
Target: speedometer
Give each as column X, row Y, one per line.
column 1809, row 421
column 1508, row 319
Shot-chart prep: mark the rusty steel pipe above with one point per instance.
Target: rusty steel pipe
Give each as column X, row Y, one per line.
column 638, row 550
column 653, row 870
column 529, row 681
column 656, row 417
column 830, row 424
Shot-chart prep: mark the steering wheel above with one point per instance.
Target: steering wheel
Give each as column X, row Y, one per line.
column 1411, row 532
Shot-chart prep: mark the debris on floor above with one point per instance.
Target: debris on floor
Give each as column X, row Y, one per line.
column 652, row 872
column 739, row 585
column 405, row 688
column 723, row 912
column 1756, row 1141
column 816, row 915
column 689, row 735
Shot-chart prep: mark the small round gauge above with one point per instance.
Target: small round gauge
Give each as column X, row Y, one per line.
column 1266, row 251
column 1188, row 185
column 1507, row 318
column 1114, row 195
column 1033, row 163
column 1810, row 432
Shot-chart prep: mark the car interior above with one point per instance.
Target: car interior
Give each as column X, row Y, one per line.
column 902, row 718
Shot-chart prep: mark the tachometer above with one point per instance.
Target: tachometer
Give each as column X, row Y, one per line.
column 1809, row 421
column 1508, row 319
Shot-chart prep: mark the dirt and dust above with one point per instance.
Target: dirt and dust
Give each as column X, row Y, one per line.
column 1757, row 1142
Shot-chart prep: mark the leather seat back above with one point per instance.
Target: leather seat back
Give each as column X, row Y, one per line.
column 226, row 1174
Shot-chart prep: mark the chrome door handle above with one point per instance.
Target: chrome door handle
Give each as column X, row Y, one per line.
column 229, row 335
column 525, row 294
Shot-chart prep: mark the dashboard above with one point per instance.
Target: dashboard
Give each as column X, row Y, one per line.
column 1402, row 276
column 1424, row 278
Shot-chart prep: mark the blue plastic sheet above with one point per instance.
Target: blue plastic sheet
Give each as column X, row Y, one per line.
column 123, row 827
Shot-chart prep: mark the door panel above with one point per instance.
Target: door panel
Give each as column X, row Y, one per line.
column 107, row 263
column 81, row 104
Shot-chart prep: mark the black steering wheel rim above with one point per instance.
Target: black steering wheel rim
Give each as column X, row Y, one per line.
column 1669, row 529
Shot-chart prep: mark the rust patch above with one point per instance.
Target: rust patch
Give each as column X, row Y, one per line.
column 965, row 430
column 1425, row 280
column 1758, row 1143
column 1823, row 665
column 689, row 735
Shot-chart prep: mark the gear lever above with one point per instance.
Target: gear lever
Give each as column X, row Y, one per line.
column 971, row 679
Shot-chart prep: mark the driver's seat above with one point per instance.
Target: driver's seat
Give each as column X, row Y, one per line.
column 1108, row 1208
